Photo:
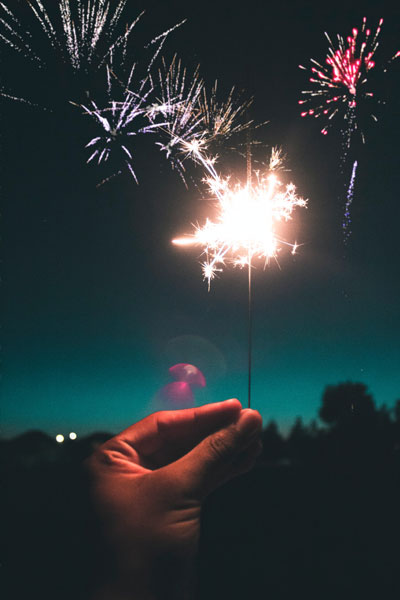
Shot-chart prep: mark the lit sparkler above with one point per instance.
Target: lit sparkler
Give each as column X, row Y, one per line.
column 248, row 223
column 247, row 227
column 341, row 83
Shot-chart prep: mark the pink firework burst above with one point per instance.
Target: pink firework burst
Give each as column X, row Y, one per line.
column 340, row 84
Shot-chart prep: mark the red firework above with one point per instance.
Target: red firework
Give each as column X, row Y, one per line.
column 341, row 83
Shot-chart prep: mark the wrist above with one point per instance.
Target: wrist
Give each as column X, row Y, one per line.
column 166, row 580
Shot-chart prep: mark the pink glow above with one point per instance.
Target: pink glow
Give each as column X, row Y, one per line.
column 189, row 374
column 177, row 393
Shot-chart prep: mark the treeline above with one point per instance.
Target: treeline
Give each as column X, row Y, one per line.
column 350, row 430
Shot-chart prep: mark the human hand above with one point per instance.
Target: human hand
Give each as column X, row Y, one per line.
column 148, row 483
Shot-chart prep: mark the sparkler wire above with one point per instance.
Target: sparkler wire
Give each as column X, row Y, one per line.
column 250, row 318
column 250, row 321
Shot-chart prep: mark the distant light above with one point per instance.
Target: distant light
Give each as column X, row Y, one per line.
column 59, row 438
column 72, row 435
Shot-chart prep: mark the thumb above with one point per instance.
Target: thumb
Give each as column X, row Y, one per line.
column 219, row 456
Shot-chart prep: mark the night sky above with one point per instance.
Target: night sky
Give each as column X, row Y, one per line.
column 97, row 303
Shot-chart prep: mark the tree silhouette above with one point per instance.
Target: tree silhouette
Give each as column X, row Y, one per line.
column 302, row 441
column 273, row 443
column 396, row 412
column 347, row 404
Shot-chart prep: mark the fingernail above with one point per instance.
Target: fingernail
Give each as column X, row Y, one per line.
column 247, row 423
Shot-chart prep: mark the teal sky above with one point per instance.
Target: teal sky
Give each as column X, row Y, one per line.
column 98, row 304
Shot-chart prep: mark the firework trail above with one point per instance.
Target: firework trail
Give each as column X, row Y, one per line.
column 349, row 200
column 248, row 222
column 340, row 87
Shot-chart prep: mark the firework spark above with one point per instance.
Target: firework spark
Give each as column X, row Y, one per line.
column 221, row 118
column 341, row 87
column 179, row 102
column 119, row 121
column 248, row 223
column 197, row 123
column 341, row 83
column 14, row 35
column 172, row 110
column 85, row 34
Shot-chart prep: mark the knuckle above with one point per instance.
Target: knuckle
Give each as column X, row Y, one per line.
column 161, row 419
column 104, row 456
column 220, row 446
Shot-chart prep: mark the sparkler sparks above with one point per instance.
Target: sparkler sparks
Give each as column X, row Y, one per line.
column 248, row 223
column 341, row 84
column 247, row 226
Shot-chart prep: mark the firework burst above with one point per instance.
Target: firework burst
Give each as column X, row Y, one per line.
column 197, row 123
column 221, row 119
column 342, row 83
column 119, row 121
column 84, row 34
column 179, row 95
column 171, row 108
column 340, row 88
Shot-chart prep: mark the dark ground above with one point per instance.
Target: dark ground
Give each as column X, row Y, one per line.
column 318, row 517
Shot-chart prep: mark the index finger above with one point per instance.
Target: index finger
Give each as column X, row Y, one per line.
column 190, row 424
